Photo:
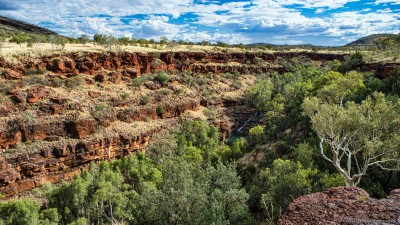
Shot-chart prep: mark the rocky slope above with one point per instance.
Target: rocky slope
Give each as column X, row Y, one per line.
column 343, row 205
column 8, row 24
column 60, row 112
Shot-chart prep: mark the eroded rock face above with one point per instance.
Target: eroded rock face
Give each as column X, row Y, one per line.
column 343, row 205
column 133, row 65
column 27, row 171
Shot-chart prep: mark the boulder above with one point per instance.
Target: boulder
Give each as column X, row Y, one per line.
column 343, row 205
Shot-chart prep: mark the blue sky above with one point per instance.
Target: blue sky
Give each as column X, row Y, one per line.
column 318, row 22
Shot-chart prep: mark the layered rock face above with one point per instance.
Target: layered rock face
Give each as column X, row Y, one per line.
column 52, row 128
column 135, row 64
column 343, row 205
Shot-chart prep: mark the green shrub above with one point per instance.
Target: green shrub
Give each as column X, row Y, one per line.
column 101, row 106
column 145, row 99
column 139, row 81
column 162, row 77
column 125, row 95
column 160, row 110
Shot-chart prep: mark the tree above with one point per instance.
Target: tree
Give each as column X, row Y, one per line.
column 358, row 135
column 19, row 212
column 123, row 41
column 83, row 39
column 286, row 181
column 99, row 39
column 58, row 40
column 262, row 97
column 110, row 41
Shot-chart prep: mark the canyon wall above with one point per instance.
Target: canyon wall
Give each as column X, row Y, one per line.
column 54, row 150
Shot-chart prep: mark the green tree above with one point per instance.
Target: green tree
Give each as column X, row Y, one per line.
column 99, row 39
column 123, row 41
column 358, row 135
column 261, row 96
column 110, row 41
column 286, row 181
column 19, row 212
column 83, row 39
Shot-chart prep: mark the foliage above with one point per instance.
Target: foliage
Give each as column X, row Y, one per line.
column 352, row 62
column 83, row 39
column 359, row 135
column 286, row 180
column 139, row 81
column 162, row 77
column 261, row 97
column 160, row 110
column 257, row 134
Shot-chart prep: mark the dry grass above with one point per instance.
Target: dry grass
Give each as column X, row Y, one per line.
column 46, row 48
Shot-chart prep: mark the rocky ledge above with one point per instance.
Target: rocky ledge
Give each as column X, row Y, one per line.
column 343, row 205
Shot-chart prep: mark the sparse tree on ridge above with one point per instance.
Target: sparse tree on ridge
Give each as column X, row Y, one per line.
column 83, row 39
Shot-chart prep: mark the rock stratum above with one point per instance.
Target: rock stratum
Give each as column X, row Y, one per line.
column 60, row 112
column 343, row 205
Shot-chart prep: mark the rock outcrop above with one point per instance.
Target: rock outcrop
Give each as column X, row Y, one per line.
column 134, row 64
column 343, row 205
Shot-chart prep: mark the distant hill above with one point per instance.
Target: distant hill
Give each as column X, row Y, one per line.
column 12, row 25
column 369, row 40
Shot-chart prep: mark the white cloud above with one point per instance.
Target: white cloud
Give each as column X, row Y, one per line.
column 234, row 22
column 394, row 2
column 332, row 4
column 155, row 27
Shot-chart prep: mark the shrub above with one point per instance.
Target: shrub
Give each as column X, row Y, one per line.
column 74, row 82
column 145, row 99
column 28, row 117
column 160, row 110
column 162, row 77
column 125, row 95
column 101, row 106
column 139, row 81
column 57, row 82
column 209, row 113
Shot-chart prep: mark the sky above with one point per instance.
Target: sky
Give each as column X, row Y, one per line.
column 317, row 22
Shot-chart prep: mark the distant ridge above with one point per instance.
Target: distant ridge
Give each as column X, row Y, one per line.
column 369, row 40
column 12, row 25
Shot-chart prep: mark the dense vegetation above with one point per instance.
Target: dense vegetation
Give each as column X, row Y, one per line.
column 187, row 176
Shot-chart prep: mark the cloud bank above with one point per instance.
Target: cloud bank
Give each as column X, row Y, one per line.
column 318, row 22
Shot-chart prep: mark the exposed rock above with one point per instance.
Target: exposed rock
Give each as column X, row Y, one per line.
column 153, row 85
column 115, row 77
column 100, row 77
column 12, row 75
column 343, row 205
column 35, row 93
column 94, row 94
